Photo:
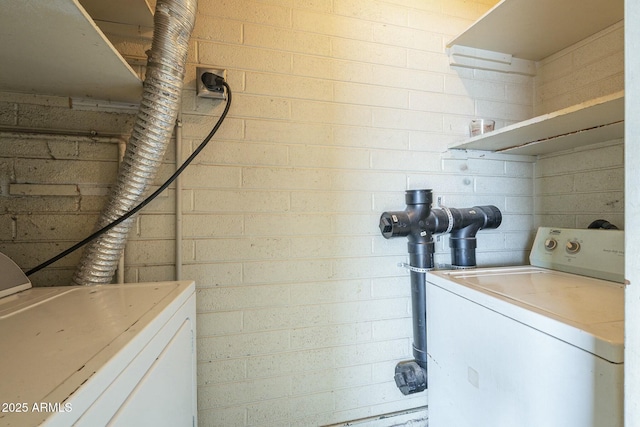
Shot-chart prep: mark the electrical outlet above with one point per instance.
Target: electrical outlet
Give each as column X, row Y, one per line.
column 203, row 91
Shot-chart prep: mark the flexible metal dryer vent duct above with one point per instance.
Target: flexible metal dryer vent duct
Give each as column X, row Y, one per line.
column 162, row 90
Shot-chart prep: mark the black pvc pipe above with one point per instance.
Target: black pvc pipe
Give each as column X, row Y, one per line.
column 418, row 223
column 419, row 310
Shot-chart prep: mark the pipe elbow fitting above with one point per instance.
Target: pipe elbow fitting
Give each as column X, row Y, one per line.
column 410, row 377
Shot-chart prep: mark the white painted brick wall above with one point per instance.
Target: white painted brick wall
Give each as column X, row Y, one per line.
column 341, row 106
column 592, row 68
column 577, row 187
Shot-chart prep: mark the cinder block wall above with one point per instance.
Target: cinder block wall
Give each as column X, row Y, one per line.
column 589, row 69
column 339, row 107
column 574, row 188
column 57, row 161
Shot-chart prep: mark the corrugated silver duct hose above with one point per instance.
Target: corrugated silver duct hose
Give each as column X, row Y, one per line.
column 162, row 90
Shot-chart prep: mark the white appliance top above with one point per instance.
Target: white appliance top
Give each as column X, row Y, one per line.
column 61, row 337
column 585, row 312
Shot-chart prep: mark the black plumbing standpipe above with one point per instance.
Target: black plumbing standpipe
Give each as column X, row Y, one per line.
column 418, row 222
column 411, row 376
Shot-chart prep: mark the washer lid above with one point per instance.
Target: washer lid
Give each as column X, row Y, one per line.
column 12, row 280
column 585, row 312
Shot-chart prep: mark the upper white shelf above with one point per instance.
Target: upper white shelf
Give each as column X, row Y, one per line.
column 54, row 47
column 131, row 12
column 597, row 120
column 510, row 38
column 535, row 29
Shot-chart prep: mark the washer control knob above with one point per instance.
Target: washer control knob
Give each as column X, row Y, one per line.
column 573, row 247
column 550, row 244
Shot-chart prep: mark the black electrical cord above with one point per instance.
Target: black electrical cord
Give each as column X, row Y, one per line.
column 152, row 196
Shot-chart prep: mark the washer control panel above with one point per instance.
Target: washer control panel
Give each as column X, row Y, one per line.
column 588, row 252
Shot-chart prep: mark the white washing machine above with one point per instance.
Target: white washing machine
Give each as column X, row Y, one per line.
column 112, row 355
column 531, row 346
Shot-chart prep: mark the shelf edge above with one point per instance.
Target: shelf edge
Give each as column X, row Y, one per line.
column 589, row 116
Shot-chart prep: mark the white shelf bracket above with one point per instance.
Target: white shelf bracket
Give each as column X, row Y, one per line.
column 469, row 57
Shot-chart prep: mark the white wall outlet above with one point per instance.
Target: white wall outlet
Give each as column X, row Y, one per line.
column 204, row 91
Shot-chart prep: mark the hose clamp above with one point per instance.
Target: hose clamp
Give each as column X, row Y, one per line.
column 449, row 217
column 463, row 267
column 414, row 269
